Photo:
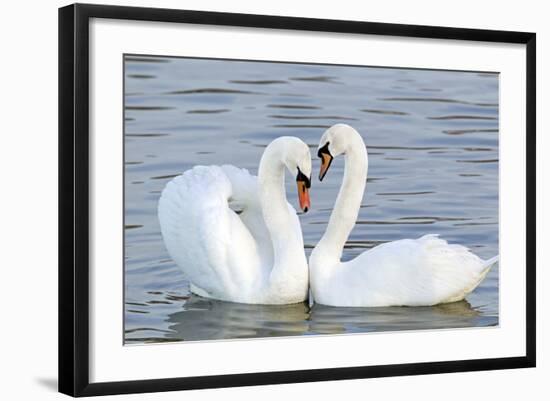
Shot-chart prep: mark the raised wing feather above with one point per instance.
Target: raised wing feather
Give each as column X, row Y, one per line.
column 207, row 239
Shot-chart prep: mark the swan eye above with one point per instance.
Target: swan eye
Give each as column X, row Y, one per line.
column 326, row 160
column 303, row 178
column 323, row 150
column 303, row 184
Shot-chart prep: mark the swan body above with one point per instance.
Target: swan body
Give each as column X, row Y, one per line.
column 408, row 272
column 254, row 257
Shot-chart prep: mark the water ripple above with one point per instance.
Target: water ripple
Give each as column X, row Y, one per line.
column 437, row 100
column 259, row 82
column 147, row 108
column 321, row 78
column 132, row 226
column 208, row 111
column 389, row 147
column 469, row 131
column 462, row 117
column 286, row 117
column 301, row 125
column 405, row 193
column 478, row 161
column 211, row 91
column 389, row 112
column 146, row 135
column 141, row 76
column 293, row 106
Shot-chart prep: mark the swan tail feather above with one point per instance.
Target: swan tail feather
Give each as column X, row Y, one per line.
column 485, row 267
column 487, row 264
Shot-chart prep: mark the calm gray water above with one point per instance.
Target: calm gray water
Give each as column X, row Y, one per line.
column 432, row 138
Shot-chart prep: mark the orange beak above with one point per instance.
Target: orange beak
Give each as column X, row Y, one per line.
column 303, row 196
column 326, row 159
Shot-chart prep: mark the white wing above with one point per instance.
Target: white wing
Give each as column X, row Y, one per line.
column 220, row 252
column 425, row 271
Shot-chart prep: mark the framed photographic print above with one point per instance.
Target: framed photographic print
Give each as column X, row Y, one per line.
column 251, row 199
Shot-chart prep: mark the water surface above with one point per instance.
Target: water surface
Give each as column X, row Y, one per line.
column 432, row 139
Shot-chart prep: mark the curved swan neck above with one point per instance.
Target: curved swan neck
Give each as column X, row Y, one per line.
column 347, row 205
column 271, row 180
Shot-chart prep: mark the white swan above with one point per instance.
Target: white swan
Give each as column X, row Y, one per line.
column 408, row 272
column 254, row 257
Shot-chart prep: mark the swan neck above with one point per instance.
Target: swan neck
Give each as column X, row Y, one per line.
column 287, row 245
column 347, row 205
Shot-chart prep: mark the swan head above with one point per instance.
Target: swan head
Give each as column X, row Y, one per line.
column 294, row 154
column 334, row 142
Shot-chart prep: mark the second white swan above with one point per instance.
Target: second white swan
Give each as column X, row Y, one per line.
column 408, row 272
column 254, row 257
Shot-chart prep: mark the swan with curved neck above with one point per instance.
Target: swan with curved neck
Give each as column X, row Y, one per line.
column 407, row 272
column 254, row 256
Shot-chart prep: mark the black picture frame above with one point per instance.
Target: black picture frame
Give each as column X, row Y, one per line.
column 74, row 198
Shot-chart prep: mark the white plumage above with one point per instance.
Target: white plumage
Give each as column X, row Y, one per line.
column 230, row 256
column 408, row 272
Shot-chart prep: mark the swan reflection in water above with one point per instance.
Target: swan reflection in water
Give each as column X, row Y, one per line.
column 206, row 319
column 338, row 320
